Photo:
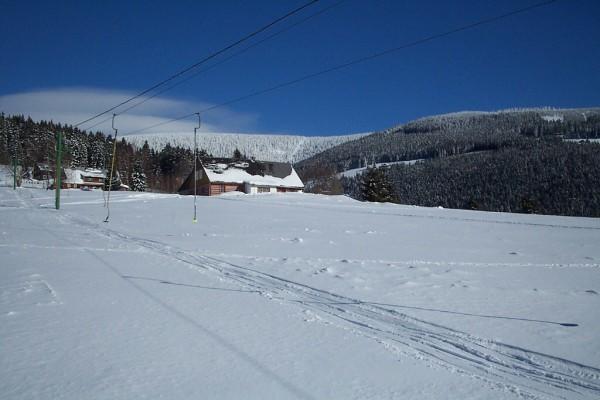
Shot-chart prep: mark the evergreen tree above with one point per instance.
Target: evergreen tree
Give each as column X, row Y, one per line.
column 138, row 178
column 376, row 186
column 237, row 155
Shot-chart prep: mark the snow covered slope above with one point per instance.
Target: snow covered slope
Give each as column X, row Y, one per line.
column 461, row 120
column 293, row 296
column 282, row 148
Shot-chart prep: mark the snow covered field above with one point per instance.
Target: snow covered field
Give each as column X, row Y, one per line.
column 292, row 296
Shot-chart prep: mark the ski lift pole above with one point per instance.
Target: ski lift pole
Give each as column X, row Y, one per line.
column 196, row 165
column 112, row 167
column 58, row 171
column 15, row 158
column 15, row 171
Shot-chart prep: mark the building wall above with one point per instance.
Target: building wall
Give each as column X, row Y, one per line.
column 216, row 189
column 251, row 189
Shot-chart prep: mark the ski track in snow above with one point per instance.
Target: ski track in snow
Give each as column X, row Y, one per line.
column 527, row 374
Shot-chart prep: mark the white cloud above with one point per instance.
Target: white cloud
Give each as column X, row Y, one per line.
column 73, row 105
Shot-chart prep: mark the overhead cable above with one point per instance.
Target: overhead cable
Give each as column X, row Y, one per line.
column 355, row 61
column 222, row 61
column 202, row 61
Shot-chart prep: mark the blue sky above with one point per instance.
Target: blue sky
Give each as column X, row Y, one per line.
column 66, row 60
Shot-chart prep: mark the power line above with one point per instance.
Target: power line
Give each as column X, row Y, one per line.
column 224, row 60
column 357, row 61
column 205, row 59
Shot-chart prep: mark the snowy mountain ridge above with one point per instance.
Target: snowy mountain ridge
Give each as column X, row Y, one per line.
column 281, row 148
column 295, row 148
column 548, row 114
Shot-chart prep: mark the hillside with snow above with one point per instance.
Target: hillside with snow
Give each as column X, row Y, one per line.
column 292, row 296
column 517, row 160
column 508, row 119
column 281, row 148
column 458, row 133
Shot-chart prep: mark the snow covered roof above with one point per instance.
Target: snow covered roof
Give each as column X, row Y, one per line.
column 93, row 173
column 258, row 173
column 76, row 175
column 44, row 167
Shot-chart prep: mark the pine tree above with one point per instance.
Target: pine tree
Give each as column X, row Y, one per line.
column 138, row 178
column 376, row 186
column 237, row 155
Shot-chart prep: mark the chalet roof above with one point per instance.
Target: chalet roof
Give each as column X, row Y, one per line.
column 260, row 173
column 44, row 167
column 74, row 175
column 93, row 173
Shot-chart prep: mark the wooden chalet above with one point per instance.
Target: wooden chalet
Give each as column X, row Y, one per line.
column 83, row 179
column 42, row 172
column 221, row 175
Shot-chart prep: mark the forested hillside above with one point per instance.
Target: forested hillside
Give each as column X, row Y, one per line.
column 514, row 160
column 457, row 133
column 34, row 142
column 547, row 177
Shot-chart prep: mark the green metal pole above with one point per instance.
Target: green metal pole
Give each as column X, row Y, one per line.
column 58, row 173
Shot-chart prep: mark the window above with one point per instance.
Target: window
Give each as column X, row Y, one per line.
column 263, row 190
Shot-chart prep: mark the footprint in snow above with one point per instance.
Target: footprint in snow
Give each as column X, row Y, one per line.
column 309, row 316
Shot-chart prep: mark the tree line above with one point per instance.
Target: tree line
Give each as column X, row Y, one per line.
column 33, row 143
column 448, row 135
column 539, row 176
column 514, row 161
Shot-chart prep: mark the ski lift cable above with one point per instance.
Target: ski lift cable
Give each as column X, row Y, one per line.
column 358, row 61
column 222, row 61
column 202, row 61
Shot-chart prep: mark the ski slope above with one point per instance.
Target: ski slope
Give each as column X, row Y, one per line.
column 293, row 296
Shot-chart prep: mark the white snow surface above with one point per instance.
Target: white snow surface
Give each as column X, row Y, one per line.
column 549, row 114
column 582, row 140
column 280, row 148
column 286, row 296
column 351, row 173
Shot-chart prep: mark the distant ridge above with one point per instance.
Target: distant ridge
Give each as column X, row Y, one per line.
column 535, row 160
column 282, row 148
